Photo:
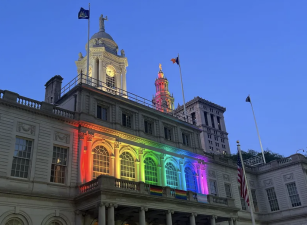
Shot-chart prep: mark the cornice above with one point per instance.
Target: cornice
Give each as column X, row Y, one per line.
column 199, row 99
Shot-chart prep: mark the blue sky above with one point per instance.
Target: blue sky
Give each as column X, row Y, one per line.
column 228, row 49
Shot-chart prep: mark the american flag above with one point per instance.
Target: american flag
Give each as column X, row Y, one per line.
column 242, row 181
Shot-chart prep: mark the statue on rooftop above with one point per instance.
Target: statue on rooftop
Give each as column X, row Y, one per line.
column 122, row 52
column 80, row 55
column 160, row 66
column 101, row 22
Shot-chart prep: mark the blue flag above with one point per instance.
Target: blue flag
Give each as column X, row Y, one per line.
column 84, row 14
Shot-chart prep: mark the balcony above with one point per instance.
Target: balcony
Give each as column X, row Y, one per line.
column 105, row 183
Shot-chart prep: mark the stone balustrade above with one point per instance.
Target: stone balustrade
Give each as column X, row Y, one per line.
column 37, row 105
column 104, row 182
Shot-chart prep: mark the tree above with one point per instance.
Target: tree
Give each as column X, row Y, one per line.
column 268, row 154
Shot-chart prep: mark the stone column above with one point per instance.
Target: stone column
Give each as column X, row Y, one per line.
column 169, row 217
column 89, row 158
column 142, row 219
column 235, row 221
column 80, row 158
column 199, row 180
column 94, row 69
column 112, row 167
column 215, row 122
column 137, row 174
column 212, row 220
column 102, row 73
column 159, row 175
column 118, row 82
column 180, row 184
column 231, row 221
column 163, row 171
column 124, row 81
column 183, row 181
column 117, row 160
column 111, row 219
column 142, row 169
column 102, row 214
column 192, row 218
column 78, row 217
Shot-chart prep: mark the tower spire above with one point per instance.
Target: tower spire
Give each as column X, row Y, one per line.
column 163, row 100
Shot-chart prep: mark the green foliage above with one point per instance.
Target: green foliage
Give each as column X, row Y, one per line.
column 268, row 154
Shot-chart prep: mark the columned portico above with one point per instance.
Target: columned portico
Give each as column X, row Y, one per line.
column 102, row 214
column 111, row 219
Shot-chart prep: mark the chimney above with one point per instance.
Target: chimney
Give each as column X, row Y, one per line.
column 53, row 89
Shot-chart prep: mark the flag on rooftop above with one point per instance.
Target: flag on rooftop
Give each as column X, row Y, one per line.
column 84, row 14
column 175, row 60
column 248, row 99
column 242, row 181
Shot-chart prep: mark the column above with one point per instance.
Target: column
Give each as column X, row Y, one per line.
column 142, row 219
column 80, row 158
column 200, row 183
column 102, row 214
column 94, row 70
column 212, row 219
column 235, row 221
column 183, row 181
column 118, row 82
column 112, row 167
column 142, row 169
column 137, row 174
column 169, row 217
column 102, row 72
column 231, row 221
column 179, row 180
column 124, row 81
column 111, row 220
column 192, row 218
column 215, row 122
column 89, row 159
column 159, row 176
column 78, row 217
column 163, row 172
column 117, row 161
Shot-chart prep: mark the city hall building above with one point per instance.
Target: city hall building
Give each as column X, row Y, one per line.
column 93, row 153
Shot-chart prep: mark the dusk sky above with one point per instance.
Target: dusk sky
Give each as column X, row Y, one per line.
column 228, row 49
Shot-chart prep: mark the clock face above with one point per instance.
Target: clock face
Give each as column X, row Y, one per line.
column 110, row 71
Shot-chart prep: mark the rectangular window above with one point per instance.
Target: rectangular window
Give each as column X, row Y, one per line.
column 216, row 138
column 21, row 158
column 212, row 120
column 294, row 197
column 272, row 199
column 193, row 118
column 167, row 133
column 102, row 113
column 228, row 190
column 59, row 164
column 213, row 187
column 148, row 127
column 186, row 139
column 219, row 122
column 223, row 146
column 255, row 202
column 209, row 136
column 217, row 144
column 126, row 120
column 206, row 118
column 243, row 203
column 211, row 148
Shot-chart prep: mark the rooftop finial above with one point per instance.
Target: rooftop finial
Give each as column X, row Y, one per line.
column 101, row 23
column 160, row 66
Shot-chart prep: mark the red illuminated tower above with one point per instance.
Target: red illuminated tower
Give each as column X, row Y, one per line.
column 163, row 100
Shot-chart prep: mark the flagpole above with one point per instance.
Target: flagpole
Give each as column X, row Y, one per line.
column 185, row 111
column 257, row 130
column 247, row 186
column 88, row 42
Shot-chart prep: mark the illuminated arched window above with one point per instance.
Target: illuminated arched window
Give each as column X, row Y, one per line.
column 151, row 176
column 190, row 179
column 127, row 166
column 100, row 161
column 171, row 175
column 14, row 221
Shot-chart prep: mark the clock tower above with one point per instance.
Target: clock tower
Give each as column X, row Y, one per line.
column 163, row 100
column 107, row 69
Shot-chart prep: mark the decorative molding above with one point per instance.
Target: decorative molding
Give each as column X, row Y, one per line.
column 116, row 144
column 141, row 151
column 25, row 128
column 268, row 183
column 81, row 135
column 61, row 137
column 212, row 173
column 226, row 177
column 288, row 177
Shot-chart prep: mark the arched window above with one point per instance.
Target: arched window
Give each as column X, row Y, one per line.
column 190, row 179
column 171, row 175
column 151, row 176
column 14, row 221
column 100, row 161
column 127, row 167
